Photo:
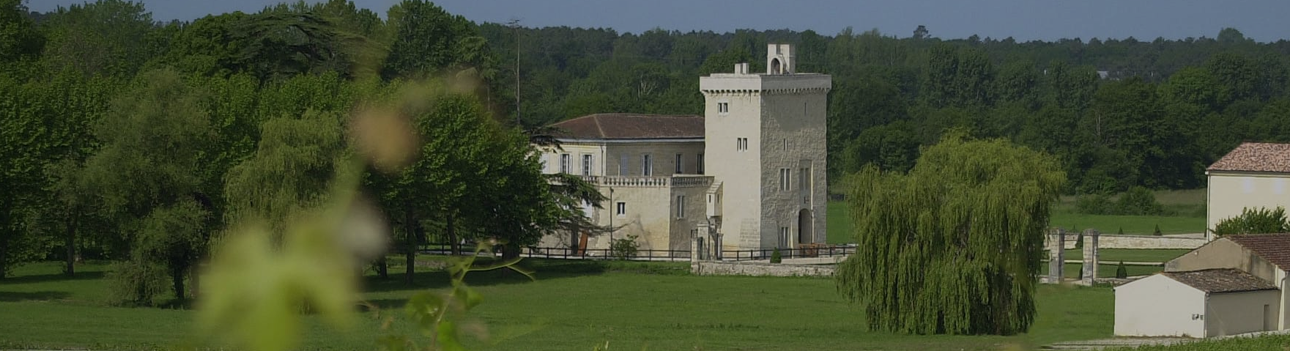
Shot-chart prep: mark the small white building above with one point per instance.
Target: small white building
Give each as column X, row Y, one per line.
column 1232, row 285
column 1205, row 303
column 1253, row 175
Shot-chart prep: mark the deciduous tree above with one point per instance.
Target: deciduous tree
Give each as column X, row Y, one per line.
column 955, row 245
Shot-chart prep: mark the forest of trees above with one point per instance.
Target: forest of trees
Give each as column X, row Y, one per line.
column 116, row 128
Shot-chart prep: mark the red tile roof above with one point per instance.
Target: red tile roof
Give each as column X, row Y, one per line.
column 1255, row 157
column 1220, row 280
column 630, row 126
column 1274, row 248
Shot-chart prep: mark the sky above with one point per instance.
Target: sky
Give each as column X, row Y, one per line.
column 1261, row 20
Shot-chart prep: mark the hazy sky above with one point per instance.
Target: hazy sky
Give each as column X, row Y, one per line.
column 1262, row 20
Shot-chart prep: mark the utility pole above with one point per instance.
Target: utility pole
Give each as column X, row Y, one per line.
column 515, row 25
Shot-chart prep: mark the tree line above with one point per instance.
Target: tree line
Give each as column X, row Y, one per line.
column 131, row 139
column 143, row 143
column 1117, row 113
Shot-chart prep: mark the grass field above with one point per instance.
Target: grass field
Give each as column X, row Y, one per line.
column 572, row 306
column 1142, row 225
column 1128, row 255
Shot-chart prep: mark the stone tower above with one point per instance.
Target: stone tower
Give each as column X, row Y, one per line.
column 765, row 148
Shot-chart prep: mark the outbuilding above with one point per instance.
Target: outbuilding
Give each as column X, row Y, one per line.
column 1203, row 303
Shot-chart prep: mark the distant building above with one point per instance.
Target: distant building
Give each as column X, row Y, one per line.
column 749, row 174
column 1251, row 176
column 1233, row 285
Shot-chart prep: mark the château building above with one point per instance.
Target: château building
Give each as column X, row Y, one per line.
column 748, row 174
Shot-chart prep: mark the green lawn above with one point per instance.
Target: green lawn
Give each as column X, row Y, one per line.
column 573, row 306
column 1142, row 225
column 1106, row 270
column 1128, row 255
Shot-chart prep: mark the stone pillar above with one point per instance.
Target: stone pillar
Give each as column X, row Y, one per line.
column 1090, row 256
column 1056, row 255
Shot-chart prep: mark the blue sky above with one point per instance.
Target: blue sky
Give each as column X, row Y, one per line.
column 1262, row 20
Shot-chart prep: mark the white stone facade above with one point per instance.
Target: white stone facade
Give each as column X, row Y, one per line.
column 757, row 173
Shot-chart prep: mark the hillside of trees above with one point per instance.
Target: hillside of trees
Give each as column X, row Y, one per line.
column 1117, row 112
column 113, row 124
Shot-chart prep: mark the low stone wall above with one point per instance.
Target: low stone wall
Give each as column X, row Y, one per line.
column 1149, row 242
column 1121, row 241
column 760, row 269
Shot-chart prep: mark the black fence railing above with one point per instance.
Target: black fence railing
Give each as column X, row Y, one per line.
column 662, row 255
column 598, row 254
column 801, row 252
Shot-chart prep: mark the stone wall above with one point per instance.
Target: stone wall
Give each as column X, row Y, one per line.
column 1120, row 241
column 760, row 269
column 1149, row 242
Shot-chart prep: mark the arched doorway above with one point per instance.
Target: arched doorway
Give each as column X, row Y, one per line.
column 776, row 67
column 805, row 227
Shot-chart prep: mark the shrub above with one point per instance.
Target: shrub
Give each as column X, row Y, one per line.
column 136, row 282
column 1255, row 221
column 1157, row 232
column 1138, row 201
column 1121, row 231
column 1079, row 240
column 1121, row 272
column 622, row 249
column 775, row 256
column 1095, row 204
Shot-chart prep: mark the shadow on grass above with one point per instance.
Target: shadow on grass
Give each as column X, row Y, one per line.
column 44, row 278
column 11, row 296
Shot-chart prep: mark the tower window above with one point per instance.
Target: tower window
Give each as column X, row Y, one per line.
column 723, row 107
column 586, row 165
column 564, row 164
column 622, row 209
column 622, row 164
column 700, row 164
column 680, row 164
column 680, row 206
column 741, row 144
column 785, row 178
column 647, row 165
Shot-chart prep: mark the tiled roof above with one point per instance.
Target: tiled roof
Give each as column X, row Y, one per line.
column 1255, row 157
column 630, row 126
column 1220, row 280
column 1274, row 248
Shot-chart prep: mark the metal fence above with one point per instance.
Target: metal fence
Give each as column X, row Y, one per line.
column 663, row 255
column 803, row 252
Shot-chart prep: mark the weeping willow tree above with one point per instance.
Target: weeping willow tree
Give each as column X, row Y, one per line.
column 955, row 245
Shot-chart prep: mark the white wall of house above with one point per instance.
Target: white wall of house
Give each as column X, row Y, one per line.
column 1230, row 192
column 1241, row 312
column 1159, row 306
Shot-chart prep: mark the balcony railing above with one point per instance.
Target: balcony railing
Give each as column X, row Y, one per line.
column 680, row 180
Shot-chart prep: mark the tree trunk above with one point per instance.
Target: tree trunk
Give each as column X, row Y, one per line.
column 4, row 249
column 194, row 274
column 409, row 230
column 177, row 276
column 70, row 242
column 455, row 242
